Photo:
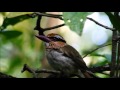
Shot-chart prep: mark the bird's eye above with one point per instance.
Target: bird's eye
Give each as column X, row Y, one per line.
column 59, row 37
column 55, row 38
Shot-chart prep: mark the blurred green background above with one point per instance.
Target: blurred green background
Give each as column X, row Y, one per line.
column 18, row 44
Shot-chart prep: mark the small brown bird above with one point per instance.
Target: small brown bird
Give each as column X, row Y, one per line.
column 63, row 57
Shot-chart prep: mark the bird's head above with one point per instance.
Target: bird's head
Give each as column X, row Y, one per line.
column 53, row 40
column 56, row 38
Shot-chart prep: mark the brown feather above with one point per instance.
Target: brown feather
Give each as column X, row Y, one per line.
column 69, row 51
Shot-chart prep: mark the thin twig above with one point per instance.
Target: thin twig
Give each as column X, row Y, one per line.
column 49, row 15
column 47, row 71
column 106, row 27
column 27, row 68
column 38, row 23
column 100, row 69
column 39, row 28
column 96, row 49
column 50, row 28
column 2, row 75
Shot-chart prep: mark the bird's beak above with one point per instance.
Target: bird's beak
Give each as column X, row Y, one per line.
column 43, row 38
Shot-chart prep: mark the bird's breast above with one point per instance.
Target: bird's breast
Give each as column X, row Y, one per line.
column 58, row 61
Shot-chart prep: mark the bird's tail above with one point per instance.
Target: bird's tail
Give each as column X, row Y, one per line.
column 89, row 74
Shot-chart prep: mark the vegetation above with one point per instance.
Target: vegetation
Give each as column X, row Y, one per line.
column 97, row 40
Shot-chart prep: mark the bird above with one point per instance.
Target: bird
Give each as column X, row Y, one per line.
column 64, row 58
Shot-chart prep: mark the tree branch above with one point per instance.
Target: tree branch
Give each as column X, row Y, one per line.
column 38, row 27
column 42, row 30
column 2, row 75
column 114, row 48
column 55, row 73
column 100, row 69
column 118, row 60
column 48, row 71
column 49, row 15
column 27, row 68
column 96, row 49
column 46, row 29
column 106, row 27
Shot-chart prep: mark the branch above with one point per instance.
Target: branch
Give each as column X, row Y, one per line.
column 48, row 71
column 117, row 38
column 106, row 27
column 38, row 27
column 2, row 75
column 114, row 48
column 96, row 49
column 118, row 61
column 42, row 30
column 100, row 69
column 49, row 15
column 113, row 57
column 53, row 73
column 56, row 73
column 46, row 29
column 27, row 68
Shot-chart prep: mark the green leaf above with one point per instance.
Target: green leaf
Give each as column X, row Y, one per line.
column 14, row 20
column 4, row 13
column 75, row 20
column 108, row 57
column 102, row 63
column 11, row 34
column 114, row 20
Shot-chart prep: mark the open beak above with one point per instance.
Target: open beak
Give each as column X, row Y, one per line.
column 43, row 38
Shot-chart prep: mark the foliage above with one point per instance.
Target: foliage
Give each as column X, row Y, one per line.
column 11, row 34
column 19, row 46
column 75, row 20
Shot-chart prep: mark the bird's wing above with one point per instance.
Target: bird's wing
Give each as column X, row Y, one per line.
column 69, row 51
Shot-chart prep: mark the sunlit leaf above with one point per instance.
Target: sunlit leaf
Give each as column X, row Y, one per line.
column 75, row 20
column 14, row 20
column 108, row 57
column 1, row 19
column 101, row 63
column 101, row 75
column 4, row 13
column 11, row 34
column 15, row 62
